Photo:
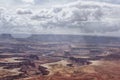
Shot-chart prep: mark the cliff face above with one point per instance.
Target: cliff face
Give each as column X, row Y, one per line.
column 60, row 57
column 6, row 36
column 25, row 66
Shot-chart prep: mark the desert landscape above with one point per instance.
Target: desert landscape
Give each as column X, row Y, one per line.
column 59, row 40
column 59, row 57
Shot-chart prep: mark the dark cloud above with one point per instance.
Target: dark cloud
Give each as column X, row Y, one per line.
column 24, row 11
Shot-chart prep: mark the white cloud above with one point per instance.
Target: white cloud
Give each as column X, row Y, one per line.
column 86, row 17
column 109, row 1
column 31, row 1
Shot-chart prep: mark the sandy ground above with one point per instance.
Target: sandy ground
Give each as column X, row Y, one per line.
column 9, row 60
column 96, row 62
column 48, row 65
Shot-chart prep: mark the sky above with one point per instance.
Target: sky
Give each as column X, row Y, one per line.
column 89, row 17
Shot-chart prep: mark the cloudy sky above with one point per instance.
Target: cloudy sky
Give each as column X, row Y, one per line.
column 94, row 17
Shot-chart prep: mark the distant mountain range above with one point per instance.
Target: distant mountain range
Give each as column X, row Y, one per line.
column 62, row 38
